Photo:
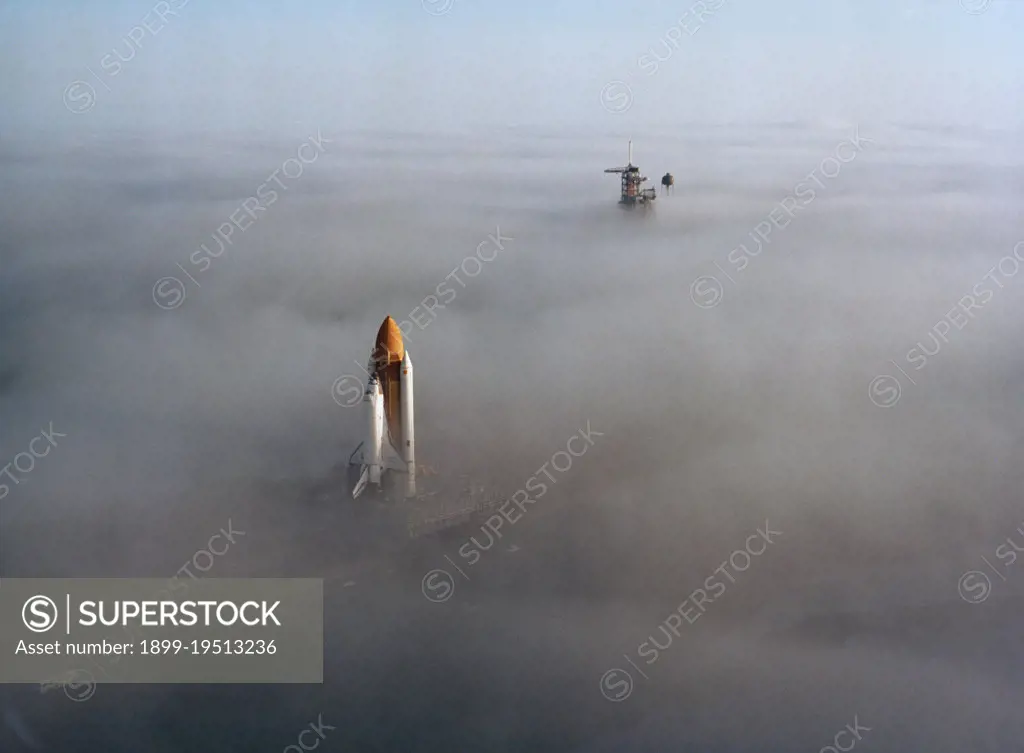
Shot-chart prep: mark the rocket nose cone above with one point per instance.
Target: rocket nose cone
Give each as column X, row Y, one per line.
column 389, row 347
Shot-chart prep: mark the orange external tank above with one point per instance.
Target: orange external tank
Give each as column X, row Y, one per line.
column 389, row 350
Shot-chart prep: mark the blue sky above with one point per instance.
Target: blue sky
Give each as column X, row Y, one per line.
column 257, row 65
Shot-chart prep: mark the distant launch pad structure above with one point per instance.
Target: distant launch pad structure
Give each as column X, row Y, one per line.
column 632, row 193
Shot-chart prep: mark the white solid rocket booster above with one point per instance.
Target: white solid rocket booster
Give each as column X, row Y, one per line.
column 408, row 449
column 375, row 436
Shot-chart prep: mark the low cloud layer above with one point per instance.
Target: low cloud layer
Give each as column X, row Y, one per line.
column 713, row 418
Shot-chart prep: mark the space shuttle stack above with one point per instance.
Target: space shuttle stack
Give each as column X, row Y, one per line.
column 390, row 440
